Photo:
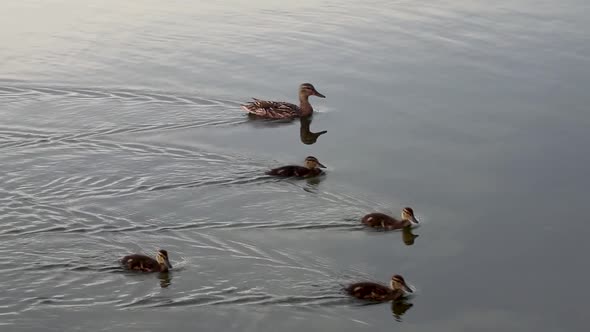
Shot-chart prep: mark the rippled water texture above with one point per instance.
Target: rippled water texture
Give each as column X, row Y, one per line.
column 121, row 132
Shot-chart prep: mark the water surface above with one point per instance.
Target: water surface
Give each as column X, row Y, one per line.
column 121, row 132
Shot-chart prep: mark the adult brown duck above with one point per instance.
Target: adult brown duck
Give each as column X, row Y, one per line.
column 284, row 110
column 145, row 263
column 372, row 291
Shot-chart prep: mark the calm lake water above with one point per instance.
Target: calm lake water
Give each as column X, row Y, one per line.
column 121, row 132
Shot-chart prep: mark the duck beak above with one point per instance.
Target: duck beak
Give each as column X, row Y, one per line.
column 316, row 93
column 321, row 165
column 168, row 263
column 408, row 289
column 414, row 220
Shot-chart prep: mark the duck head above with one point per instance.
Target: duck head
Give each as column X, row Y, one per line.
column 398, row 283
column 312, row 162
column 162, row 258
column 408, row 215
column 307, row 89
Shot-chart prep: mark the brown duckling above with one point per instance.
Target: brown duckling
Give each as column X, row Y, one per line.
column 144, row 263
column 381, row 220
column 311, row 168
column 377, row 292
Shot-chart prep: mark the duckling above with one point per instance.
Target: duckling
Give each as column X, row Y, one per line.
column 381, row 220
column 144, row 263
column 284, row 110
column 380, row 293
column 311, row 168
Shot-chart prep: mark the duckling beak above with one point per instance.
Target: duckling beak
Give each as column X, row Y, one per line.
column 316, row 93
column 407, row 288
column 168, row 263
column 321, row 165
column 414, row 220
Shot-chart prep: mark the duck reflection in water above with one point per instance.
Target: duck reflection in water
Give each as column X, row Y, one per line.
column 165, row 279
column 399, row 308
column 307, row 136
column 313, row 184
column 408, row 237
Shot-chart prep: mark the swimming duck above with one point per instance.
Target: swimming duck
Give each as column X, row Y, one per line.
column 377, row 292
column 284, row 110
column 311, row 168
column 147, row 264
column 381, row 220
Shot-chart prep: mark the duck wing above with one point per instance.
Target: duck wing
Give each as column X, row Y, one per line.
column 140, row 263
column 369, row 291
column 291, row 170
column 380, row 220
column 272, row 109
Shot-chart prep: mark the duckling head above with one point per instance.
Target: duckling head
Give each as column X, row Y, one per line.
column 312, row 162
column 307, row 89
column 162, row 258
column 408, row 215
column 398, row 283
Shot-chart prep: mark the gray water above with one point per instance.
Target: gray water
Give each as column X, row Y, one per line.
column 121, row 132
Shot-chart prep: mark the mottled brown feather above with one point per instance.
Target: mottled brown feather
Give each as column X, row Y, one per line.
column 294, row 170
column 373, row 292
column 142, row 263
column 381, row 220
column 272, row 109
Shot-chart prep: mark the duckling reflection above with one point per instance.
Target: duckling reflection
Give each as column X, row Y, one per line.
column 307, row 136
column 165, row 279
column 312, row 184
column 408, row 237
column 399, row 308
